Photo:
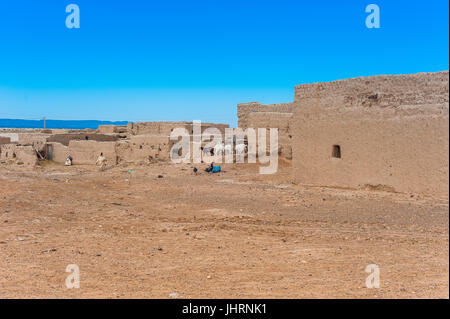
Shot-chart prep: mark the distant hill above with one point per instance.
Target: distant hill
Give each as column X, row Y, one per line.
column 79, row 124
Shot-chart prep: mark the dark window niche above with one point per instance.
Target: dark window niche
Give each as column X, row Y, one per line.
column 336, row 151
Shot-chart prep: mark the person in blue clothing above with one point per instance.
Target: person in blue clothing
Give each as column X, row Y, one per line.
column 213, row 169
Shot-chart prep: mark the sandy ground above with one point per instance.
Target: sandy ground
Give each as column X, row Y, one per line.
column 235, row 234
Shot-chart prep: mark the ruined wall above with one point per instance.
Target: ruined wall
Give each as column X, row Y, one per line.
column 392, row 131
column 155, row 128
column 5, row 140
column 256, row 115
column 83, row 152
column 144, row 149
column 274, row 120
column 19, row 154
column 37, row 140
column 57, row 152
column 138, row 149
column 14, row 137
column 166, row 128
column 245, row 109
column 87, row 152
column 112, row 129
column 66, row 138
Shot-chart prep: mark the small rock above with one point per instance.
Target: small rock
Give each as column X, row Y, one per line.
column 174, row 295
column 48, row 250
column 208, row 277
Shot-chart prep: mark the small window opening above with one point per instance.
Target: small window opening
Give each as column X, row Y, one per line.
column 336, row 151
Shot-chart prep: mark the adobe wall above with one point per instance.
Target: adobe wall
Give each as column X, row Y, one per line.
column 112, row 129
column 14, row 137
column 37, row 140
column 60, row 152
column 155, row 128
column 144, row 148
column 256, row 115
column 66, row 138
column 245, row 109
column 87, row 152
column 393, row 132
column 274, row 120
column 5, row 140
column 165, row 128
column 20, row 154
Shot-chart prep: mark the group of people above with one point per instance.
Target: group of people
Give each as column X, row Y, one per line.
column 101, row 161
column 218, row 149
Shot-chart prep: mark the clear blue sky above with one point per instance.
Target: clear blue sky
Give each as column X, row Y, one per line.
column 142, row 60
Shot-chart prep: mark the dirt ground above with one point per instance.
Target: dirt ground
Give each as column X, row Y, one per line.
column 236, row 234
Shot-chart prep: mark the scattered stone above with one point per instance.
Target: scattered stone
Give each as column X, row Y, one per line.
column 174, row 295
column 208, row 277
column 159, row 248
column 48, row 250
